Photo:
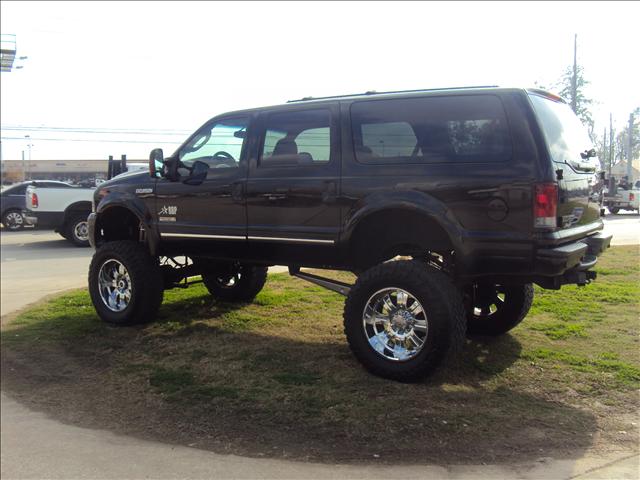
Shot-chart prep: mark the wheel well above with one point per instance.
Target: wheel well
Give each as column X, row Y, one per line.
column 77, row 208
column 117, row 223
column 389, row 233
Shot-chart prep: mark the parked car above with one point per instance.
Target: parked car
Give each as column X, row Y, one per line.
column 13, row 201
column 623, row 199
column 486, row 190
column 64, row 209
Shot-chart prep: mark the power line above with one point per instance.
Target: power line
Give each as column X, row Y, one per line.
column 91, row 140
column 141, row 131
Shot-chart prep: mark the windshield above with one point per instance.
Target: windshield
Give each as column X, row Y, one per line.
column 566, row 136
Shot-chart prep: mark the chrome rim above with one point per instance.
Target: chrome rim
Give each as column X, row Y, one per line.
column 395, row 324
column 115, row 286
column 14, row 220
column 229, row 280
column 487, row 301
column 81, row 231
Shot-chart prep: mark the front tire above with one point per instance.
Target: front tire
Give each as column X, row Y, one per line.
column 125, row 283
column 234, row 282
column 77, row 230
column 402, row 319
column 13, row 220
column 493, row 310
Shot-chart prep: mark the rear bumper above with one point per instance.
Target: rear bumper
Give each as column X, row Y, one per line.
column 570, row 264
column 53, row 220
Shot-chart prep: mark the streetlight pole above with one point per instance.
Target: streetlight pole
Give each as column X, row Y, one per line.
column 29, row 145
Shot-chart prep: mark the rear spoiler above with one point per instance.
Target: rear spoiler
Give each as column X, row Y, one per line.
column 549, row 95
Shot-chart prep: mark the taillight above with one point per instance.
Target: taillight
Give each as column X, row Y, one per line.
column 34, row 200
column 632, row 197
column 545, row 205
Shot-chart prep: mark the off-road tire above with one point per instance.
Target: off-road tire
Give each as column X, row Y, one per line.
column 146, row 282
column 247, row 283
column 442, row 306
column 517, row 302
column 9, row 222
column 71, row 229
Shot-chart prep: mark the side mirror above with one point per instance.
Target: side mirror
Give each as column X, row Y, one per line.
column 198, row 173
column 588, row 154
column 156, row 162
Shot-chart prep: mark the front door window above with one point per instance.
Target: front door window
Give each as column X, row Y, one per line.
column 218, row 144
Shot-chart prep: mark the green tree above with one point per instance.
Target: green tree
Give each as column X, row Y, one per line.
column 582, row 102
column 622, row 142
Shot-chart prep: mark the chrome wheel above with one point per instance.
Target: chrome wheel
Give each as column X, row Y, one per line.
column 81, row 231
column 395, row 324
column 488, row 300
column 230, row 278
column 114, row 285
column 13, row 221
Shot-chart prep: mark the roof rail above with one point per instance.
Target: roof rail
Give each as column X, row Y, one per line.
column 373, row 92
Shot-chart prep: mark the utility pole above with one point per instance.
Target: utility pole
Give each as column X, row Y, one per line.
column 24, row 168
column 610, row 142
column 574, row 78
column 630, row 149
column 604, row 161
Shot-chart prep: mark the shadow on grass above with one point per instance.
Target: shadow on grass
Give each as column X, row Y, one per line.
column 188, row 379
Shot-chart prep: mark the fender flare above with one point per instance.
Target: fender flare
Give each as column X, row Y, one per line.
column 411, row 201
column 134, row 205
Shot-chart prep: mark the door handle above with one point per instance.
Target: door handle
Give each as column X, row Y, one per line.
column 330, row 191
column 237, row 191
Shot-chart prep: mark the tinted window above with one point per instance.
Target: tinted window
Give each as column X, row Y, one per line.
column 565, row 135
column 218, row 144
column 52, row 185
column 470, row 128
column 297, row 138
column 17, row 190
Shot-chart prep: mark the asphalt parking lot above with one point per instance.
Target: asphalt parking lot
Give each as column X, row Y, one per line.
column 37, row 263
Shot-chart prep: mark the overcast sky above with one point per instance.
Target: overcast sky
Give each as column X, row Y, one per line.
column 164, row 67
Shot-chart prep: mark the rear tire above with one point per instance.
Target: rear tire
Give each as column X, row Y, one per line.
column 76, row 230
column 13, row 220
column 614, row 210
column 402, row 319
column 493, row 310
column 125, row 283
column 234, row 282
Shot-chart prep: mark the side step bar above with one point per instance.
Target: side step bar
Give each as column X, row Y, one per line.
column 333, row 285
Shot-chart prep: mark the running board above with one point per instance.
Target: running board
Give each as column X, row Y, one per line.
column 333, row 285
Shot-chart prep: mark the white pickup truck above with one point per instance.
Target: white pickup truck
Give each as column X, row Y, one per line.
column 65, row 209
column 623, row 199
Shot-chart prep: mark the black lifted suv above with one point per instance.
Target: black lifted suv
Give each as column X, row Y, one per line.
column 447, row 205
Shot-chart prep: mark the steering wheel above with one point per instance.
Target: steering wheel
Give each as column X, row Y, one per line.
column 227, row 159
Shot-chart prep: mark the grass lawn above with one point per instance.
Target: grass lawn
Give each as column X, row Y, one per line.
column 276, row 377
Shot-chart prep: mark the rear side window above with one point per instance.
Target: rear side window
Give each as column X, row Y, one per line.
column 19, row 190
column 470, row 128
column 566, row 136
column 297, row 138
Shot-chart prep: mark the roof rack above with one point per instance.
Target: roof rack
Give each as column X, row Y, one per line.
column 373, row 92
